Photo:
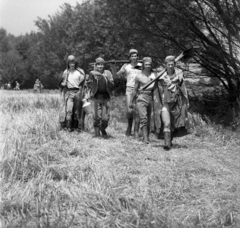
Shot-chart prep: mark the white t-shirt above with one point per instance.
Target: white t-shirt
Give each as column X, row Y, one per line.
column 74, row 79
column 130, row 73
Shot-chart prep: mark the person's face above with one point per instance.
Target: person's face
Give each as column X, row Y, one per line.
column 170, row 66
column 133, row 57
column 99, row 67
column 72, row 65
column 147, row 66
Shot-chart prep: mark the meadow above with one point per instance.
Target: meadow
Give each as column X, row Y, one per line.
column 52, row 178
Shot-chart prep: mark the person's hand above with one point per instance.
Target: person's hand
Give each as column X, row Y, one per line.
column 113, row 65
column 130, row 105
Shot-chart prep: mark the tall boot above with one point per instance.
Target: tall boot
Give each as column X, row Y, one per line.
column 129, row 128
column 69, row 125
column 167, row 140
column 136, row 130
column 145, row 134
column 103, row 131
column 96, row 131
column 63, row 125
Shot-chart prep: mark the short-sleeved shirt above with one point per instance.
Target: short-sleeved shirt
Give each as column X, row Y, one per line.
column 151, row 77
column 74, row 78
column 130, row 72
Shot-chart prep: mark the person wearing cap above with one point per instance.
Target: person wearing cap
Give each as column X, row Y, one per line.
column 101, row 83
column 130, row 71
column 72, row 82
column 174, row 99
column 144, row 99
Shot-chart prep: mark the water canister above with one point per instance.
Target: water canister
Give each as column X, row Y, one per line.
column 87, row 107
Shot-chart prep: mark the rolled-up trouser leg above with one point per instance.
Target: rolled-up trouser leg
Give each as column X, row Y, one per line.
column 63, row 109
column 105, row 116
column 70, row 104
column 97, row 112
column 78, row 114
column 129, row 112
column 144, row 109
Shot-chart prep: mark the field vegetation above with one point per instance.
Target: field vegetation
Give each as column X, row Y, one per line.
column 52, row 178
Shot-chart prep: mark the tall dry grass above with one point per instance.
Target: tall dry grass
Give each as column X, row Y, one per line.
column 114, row 182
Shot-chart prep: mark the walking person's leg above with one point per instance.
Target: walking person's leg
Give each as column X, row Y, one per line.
column 69, row 116
column 96, row 107
column 166, row 127
column 142, row 110
column 129, row 112
column 105, row 116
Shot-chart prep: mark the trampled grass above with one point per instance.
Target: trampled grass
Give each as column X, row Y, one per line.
column 114, row 182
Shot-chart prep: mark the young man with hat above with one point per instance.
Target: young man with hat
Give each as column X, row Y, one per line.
column 130, row 71
column 175, row 101
column 101, row 83
column 72, row 85
column 144, row 99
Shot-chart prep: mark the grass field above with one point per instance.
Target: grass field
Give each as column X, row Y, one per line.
column 114, row 182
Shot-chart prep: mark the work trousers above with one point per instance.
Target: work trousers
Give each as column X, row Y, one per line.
column 101, row 112
column 131, row 113
column 144, row 107
column 74, row 104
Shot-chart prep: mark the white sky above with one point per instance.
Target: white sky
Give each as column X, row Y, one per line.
column 18, row 16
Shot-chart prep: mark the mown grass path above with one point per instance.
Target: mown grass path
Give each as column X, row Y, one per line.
column 53, row 178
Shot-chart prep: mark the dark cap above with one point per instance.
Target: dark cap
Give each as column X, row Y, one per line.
column 99, row 60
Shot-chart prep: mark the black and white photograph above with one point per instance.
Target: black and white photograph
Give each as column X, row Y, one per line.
column 119, row 114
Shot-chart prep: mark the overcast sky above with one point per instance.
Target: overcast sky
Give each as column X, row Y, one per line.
column 18, row 16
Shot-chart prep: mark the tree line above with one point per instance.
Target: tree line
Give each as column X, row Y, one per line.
column 109, row 28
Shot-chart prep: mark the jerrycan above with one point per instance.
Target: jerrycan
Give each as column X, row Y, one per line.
column 87, row 107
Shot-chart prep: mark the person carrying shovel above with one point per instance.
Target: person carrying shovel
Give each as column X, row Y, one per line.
column 144, row 99
column 130, row 71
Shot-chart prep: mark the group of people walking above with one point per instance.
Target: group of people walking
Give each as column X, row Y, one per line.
column 156, row 101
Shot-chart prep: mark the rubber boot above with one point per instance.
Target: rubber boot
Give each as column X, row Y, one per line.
column 62, row 125
column 76, row 126
column 129, row 128
column 97, row 131
column 167, row 140
column 145, row 134
column 69, row 125
column 136, row 130
column 104, row 133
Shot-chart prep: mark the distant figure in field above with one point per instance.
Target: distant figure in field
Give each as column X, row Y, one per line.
column 17, row 87
column 9, row 86
column 72, row 91
column 38, row 86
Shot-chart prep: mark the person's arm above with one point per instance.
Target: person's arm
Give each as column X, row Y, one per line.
column 110, row 80
column 120, row 73
column 134, row 94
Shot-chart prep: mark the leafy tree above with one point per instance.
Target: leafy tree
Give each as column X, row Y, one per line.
column 169, row 26
column 10, row 65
